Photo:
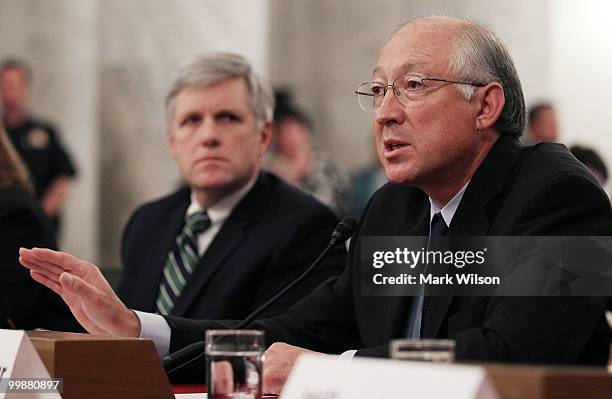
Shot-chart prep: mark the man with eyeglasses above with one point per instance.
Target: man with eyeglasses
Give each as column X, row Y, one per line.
column 448, row 114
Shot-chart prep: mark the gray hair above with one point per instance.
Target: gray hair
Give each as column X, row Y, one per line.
column 206, row 70
column 480, row 56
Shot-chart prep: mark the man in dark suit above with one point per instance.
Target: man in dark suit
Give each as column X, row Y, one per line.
column 265, row 242
column 449, row 112
column 253, row 233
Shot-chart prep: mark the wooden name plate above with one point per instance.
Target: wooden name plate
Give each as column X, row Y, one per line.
column 533, row 382
column 101, row 366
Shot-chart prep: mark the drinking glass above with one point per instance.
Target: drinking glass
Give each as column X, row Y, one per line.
column 424, row 350
column 234, row 363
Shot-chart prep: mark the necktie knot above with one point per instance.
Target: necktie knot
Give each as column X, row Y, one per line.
column 198, row 222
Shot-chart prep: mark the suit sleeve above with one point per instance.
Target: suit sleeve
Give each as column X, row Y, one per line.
column 323, row 321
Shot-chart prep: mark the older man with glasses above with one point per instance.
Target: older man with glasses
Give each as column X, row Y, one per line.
column 447, row 135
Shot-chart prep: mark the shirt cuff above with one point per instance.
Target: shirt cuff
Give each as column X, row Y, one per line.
column 347, row 356
column 156, row 328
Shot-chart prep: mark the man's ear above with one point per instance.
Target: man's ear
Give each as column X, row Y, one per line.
column 266, row 138
column 491, row 102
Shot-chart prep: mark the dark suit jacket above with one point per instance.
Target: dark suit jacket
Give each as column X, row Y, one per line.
column 540, row 190
column 269, row 239
column 26, row 303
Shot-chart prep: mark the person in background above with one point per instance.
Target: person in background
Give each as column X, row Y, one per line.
column 591, row 159
column 37, row 142
column 365, row 183
column 295, row 158
column 542, row 124
column 23, row 303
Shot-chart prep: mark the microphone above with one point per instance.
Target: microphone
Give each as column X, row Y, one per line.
column 174, row 361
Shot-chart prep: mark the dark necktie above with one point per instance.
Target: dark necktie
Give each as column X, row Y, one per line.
column 438, row 229
column 182, row 261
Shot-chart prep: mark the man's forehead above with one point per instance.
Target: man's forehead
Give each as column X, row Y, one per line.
column 229, row 90
column 14, row 71
column 417, row 47
column 401, row 67
column 230, row 94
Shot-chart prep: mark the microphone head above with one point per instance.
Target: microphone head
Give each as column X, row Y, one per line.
column 343, row 231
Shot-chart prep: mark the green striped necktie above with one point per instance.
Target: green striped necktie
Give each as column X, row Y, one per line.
column 182, row 261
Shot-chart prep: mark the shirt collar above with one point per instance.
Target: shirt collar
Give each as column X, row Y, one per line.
column 448, row 210
column 222, row 208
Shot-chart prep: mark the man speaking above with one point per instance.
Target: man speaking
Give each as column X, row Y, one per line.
column 448, row 113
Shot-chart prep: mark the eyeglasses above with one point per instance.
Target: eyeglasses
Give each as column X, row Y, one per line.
column 408, row 89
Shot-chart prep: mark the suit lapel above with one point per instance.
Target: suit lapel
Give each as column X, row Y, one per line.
column 472, row 218
column 406, row 213
column 397, row 308
column 168, row 228
column 227, row 240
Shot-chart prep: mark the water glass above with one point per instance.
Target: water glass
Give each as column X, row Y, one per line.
column 423, row 350
column 234, row 363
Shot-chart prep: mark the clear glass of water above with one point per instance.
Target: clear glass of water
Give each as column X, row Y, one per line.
column 234, row 363
column 423, row 350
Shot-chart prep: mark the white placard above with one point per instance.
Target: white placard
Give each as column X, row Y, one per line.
column 19, row 359
column 326, row 377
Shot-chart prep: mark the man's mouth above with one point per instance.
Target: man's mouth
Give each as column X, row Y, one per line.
column 208, row 159
column 392, row 145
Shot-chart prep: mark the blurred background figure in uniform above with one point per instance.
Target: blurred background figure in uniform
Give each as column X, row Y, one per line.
column 36, row 141
column 297, row 160
column 591, row 159
column 542, row 124
column 24, row 304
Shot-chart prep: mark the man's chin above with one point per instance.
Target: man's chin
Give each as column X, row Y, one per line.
column 400, row 177
column 220, row 184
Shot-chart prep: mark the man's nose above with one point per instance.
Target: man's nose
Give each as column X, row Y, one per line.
column 390, row 110
column 209, row 134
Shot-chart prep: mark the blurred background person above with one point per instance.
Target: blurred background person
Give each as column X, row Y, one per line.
column 24, row 304
column 295, row 158
column 542, row 124
column 365, row 182
column 36, row 141
column 591, row 159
